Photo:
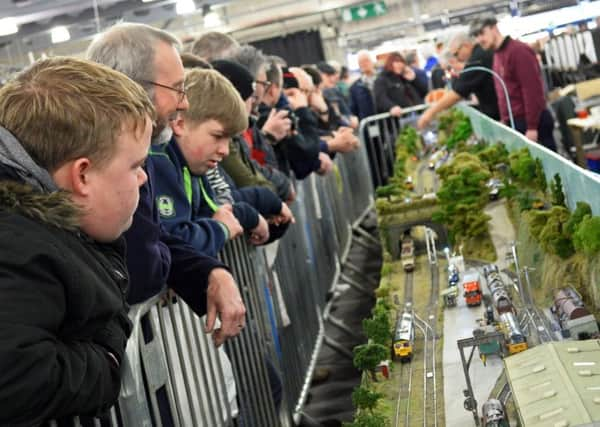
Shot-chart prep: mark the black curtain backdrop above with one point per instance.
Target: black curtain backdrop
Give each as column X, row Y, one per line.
column 303, row 47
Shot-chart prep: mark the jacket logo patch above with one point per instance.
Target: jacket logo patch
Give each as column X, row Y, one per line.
column 166, row 206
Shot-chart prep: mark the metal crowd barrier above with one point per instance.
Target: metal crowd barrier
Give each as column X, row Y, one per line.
column 378, row 134
column 172, row 373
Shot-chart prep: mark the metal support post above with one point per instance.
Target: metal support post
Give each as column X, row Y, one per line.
column 471, row 403
column 513, row 247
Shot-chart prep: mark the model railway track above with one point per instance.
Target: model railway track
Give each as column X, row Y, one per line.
column 402, row 418
column 435, row 291
column 540, row 324
column 408, row 288
column 505, row 393
column 429, row 373
column 421, row 173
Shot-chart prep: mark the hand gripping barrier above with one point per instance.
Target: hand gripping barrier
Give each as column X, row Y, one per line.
column 172, row 373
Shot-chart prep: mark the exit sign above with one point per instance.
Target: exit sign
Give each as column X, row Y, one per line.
column 364, row 11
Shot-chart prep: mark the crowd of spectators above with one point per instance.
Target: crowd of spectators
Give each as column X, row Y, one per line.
column 125, row 173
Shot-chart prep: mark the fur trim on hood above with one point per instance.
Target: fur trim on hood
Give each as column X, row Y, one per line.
column 56, row 208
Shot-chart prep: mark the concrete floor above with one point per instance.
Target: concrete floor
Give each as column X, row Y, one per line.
column 459, row 322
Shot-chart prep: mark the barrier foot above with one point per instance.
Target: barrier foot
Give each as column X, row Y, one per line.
column 338, row 347
column 367, row 236
column 306, row 420
column 360, row 288
column 342, row 325
column 360, row 273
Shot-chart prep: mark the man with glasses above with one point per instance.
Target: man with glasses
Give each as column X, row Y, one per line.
column 179, row 90
column 480, row 83
column 278, row 123
column 150, row 57
column 298, row 150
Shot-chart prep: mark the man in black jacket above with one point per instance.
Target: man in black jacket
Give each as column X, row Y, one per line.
column 149, row 56
column 477, row 82
column 68, row 190
column 298, row 149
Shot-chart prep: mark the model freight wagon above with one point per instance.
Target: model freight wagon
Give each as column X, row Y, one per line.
column 575, row 320
column 472, row 288
column 407, row 254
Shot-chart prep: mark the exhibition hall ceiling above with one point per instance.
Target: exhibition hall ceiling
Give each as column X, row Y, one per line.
column 29, row 28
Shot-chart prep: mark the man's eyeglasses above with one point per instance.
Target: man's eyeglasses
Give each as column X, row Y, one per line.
column 265, row 83
column 180, row 91
column 455, row 53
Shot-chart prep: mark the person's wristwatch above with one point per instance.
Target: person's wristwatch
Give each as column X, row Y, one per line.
column 270, row 138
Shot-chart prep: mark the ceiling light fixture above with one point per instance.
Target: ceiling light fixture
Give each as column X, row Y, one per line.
column 184, row 7
column 8, row 26
column 60, row 34
column 211, row 18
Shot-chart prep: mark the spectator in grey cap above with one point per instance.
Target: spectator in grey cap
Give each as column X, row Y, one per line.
column 517, row 65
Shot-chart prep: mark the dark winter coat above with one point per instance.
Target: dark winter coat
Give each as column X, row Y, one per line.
column 299, row 152
column 392, row 90
column 62, row 309
column 246, row 171
column 361, row 99
column 186, row 202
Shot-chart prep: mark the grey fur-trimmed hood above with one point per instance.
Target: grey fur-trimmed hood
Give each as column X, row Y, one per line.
column 29, row 190
column 56, row 209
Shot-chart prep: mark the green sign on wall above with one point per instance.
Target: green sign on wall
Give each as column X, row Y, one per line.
column 364, row 11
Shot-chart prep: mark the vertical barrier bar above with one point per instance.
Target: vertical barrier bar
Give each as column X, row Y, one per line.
column 214, row 383
column 249, row 350
column 180, row 358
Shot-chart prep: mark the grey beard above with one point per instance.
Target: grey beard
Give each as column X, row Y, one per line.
column 163, row 137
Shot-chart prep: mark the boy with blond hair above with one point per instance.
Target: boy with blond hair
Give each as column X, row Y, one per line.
column 73, row 138
column 201, row 140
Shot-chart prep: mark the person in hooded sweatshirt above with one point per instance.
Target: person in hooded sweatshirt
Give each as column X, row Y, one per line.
column 70, row 171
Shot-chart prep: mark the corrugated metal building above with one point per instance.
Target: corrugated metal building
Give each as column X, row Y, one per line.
column 557, row 384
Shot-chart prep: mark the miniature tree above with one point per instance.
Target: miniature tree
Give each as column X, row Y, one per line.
column 553, row 237
column 493, row 155
column 540, row 176
column 378, row 327
column 364, row 399
column 581, row 210
column 587, row 235
column 408, row 139
column 367, row 419
column 477, row 224
column 525, row 200
column 509, row 190
column 462, row 196
column 523, row 167
column 537, row 220
column 461, row 132
column 389, row 191
column 558, row 197
column 368, row 356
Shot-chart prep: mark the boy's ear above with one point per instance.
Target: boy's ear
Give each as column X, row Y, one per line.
column 178, row 125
